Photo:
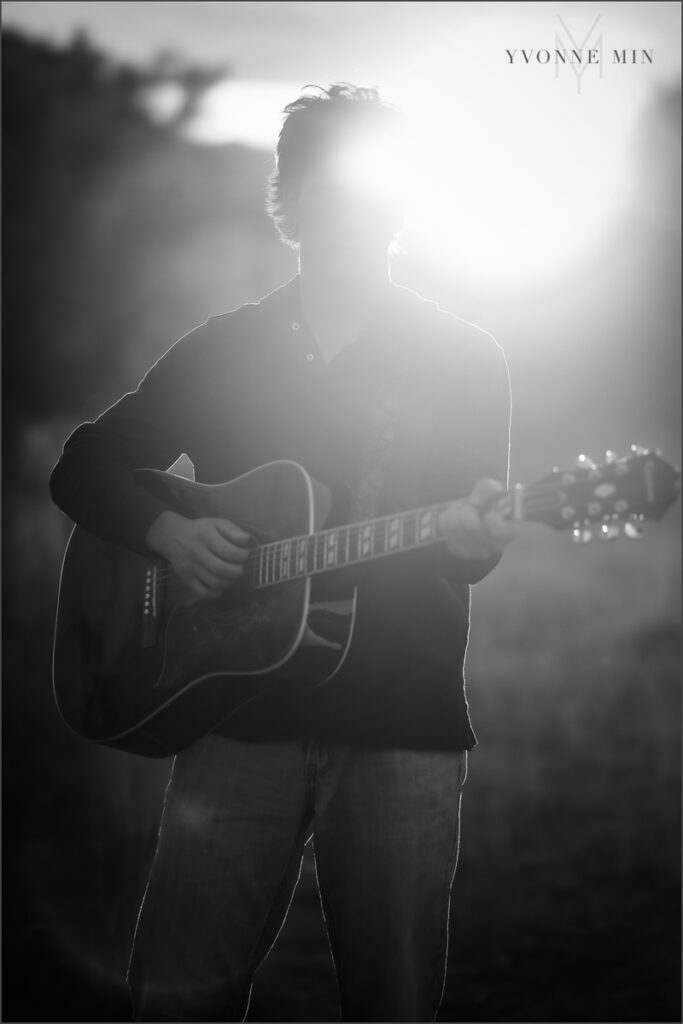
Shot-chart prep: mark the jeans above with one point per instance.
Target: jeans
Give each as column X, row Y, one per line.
column 235, row 820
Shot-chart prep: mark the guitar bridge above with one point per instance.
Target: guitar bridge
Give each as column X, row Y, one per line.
column 150, row 608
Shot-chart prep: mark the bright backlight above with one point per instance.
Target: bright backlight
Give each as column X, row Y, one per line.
column 514, row 189
column 509, row 183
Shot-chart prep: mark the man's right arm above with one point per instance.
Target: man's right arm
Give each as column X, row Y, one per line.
column 93, row 481
column 168, row 414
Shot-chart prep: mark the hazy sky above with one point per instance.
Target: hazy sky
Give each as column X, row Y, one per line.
column 327, row 41
column 566, row 142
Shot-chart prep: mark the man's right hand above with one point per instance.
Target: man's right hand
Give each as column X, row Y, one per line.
column 207, row 554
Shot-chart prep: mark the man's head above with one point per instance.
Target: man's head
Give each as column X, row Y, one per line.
column 340, row 165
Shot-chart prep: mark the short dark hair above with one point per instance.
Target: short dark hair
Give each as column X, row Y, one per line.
column 313, row 126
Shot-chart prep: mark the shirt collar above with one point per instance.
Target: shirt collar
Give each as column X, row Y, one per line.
column 392, row 324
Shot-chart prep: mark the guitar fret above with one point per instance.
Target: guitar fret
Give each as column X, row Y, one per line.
column 394, row 533
column 425, row 526
column 301, row 556
column 343, row 551
column 331, row 548
column 408, row 530
column 319, row 552
column 354, row 542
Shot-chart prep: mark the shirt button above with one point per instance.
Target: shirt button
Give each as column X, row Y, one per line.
column 296, row 326
column 310, row 357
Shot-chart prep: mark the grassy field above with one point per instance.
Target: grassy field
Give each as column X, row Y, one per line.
column 566, row 903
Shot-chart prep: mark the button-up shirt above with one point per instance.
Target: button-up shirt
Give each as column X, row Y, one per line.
column 249, row 387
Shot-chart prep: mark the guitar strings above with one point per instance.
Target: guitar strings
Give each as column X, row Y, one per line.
column 259, row 557
column 256, row 556
column 537, row 498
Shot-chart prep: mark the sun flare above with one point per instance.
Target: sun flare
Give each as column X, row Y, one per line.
column 506, row 186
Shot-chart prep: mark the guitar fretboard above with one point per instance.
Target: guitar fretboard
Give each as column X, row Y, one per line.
column 566, row 499
column 346, row 545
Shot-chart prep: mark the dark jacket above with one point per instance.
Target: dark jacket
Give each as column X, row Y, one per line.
column 248, row 387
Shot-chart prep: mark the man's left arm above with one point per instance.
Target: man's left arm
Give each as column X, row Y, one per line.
column 471, row 463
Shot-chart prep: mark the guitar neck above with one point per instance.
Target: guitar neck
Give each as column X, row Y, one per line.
column 365, row 541
column 640, row 485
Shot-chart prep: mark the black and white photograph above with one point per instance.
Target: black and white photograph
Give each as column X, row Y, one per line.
column 342, row 519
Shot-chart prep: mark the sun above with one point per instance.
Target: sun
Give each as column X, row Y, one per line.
column 509, row 185
column 515, row 190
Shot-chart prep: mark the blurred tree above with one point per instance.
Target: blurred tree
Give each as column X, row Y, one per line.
column 119, row 236
column 111, row 226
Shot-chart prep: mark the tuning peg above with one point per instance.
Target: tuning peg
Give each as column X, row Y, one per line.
column 633, row 528
column 637, row 449
column 610, row 457
column 585, row 462
column 609, row 531
column 581, row 533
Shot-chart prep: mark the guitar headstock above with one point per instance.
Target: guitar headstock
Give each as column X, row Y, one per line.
column 590, row 499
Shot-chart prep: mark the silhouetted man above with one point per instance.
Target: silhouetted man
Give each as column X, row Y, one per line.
column 369, row 386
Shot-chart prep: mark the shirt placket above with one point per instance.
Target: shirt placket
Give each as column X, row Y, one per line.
column 306, row 346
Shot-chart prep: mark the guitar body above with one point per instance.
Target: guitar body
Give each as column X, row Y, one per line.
column 143, row 665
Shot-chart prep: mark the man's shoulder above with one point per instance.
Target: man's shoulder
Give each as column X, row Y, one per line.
column 228, row 333
column 443, row 334
column 465, row 339
column 230, row 328
column 425, row 325
column 271, row 305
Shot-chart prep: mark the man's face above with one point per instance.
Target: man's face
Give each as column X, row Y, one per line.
column 342, row 210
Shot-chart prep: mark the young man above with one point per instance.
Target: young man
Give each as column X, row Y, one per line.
column 369, row 386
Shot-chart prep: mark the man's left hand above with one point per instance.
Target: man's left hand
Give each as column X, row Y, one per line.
column 471, row 535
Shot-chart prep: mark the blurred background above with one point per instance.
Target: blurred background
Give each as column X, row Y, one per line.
column 137, row 140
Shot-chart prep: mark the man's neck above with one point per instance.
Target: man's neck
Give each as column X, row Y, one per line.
column 337, row 306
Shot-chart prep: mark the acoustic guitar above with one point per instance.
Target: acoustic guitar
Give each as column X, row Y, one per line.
column 142, row 664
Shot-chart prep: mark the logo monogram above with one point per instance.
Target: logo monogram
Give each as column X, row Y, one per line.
column 579, row 67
